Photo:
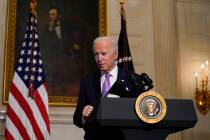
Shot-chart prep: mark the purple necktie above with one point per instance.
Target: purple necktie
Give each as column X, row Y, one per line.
column 106, row 85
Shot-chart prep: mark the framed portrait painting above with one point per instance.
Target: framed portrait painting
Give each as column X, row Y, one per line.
column 66, row 31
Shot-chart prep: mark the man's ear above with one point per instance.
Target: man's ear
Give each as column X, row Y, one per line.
column 116, row 55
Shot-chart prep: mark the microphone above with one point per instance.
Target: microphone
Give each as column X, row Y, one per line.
column 147, row 81
column 142, row 80
column 131, row 88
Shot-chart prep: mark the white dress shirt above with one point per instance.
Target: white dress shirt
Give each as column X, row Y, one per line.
column 112, row 78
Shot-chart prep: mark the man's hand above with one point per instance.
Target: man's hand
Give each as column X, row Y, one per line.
column 86, row 112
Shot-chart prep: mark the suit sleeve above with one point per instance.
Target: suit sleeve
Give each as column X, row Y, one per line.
column 77, row 119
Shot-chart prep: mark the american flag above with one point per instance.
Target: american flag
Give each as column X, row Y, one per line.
column 27, row 110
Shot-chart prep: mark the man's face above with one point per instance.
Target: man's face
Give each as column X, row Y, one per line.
column 53, row 15
column 105, row 55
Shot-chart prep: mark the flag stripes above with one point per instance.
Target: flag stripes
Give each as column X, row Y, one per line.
column 12, row 132
column 30, row 107
column 26, row 108
column 18, row 124
column 41, row 107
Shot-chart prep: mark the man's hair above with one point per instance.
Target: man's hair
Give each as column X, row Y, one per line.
column 100, row 38
column 54, row 7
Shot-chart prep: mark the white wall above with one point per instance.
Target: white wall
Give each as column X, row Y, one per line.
column 3, row 8
column 193, row 22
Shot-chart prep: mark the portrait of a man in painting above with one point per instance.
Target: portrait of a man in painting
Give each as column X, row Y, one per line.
column 66, row 31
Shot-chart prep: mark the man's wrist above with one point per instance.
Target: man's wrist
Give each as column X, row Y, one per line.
column 83, row 120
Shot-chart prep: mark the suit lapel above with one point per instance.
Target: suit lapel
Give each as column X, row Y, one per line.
column 121, row 76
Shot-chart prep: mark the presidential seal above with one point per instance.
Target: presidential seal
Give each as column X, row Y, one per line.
column 150, row 107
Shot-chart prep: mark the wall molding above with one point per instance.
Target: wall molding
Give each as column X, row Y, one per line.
column 61, row 118
column 55, row 118
column 194, row 1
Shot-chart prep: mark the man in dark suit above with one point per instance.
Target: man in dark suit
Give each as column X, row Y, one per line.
column 54, row 51
column 93, row 87
column 61, row 51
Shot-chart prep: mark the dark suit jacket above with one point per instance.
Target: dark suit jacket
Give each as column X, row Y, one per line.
column 90, row 94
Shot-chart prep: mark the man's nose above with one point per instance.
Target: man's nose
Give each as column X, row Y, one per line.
column 100, row 58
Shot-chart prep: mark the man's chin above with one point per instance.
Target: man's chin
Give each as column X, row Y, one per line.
column 102, row 69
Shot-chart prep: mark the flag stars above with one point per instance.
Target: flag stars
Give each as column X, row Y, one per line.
column 40, row 70
column 29, row 52
column 20, row 60
column 33, row 69
column 27, row 69
column 34, row 61
column 32, row 19
column 36, row 36
column 35, row 53
column 40, row 61
column 32, row 77
column 35, row 44
column 30, row 64
column 22, row 52
column 39, row 78
column 24, row 44
column 25, row 77
column 30, row 43
column 28, row 60
column 19, row 69
column 32, row 28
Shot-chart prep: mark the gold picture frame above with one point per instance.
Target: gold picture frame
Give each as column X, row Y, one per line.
column 55, row 100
